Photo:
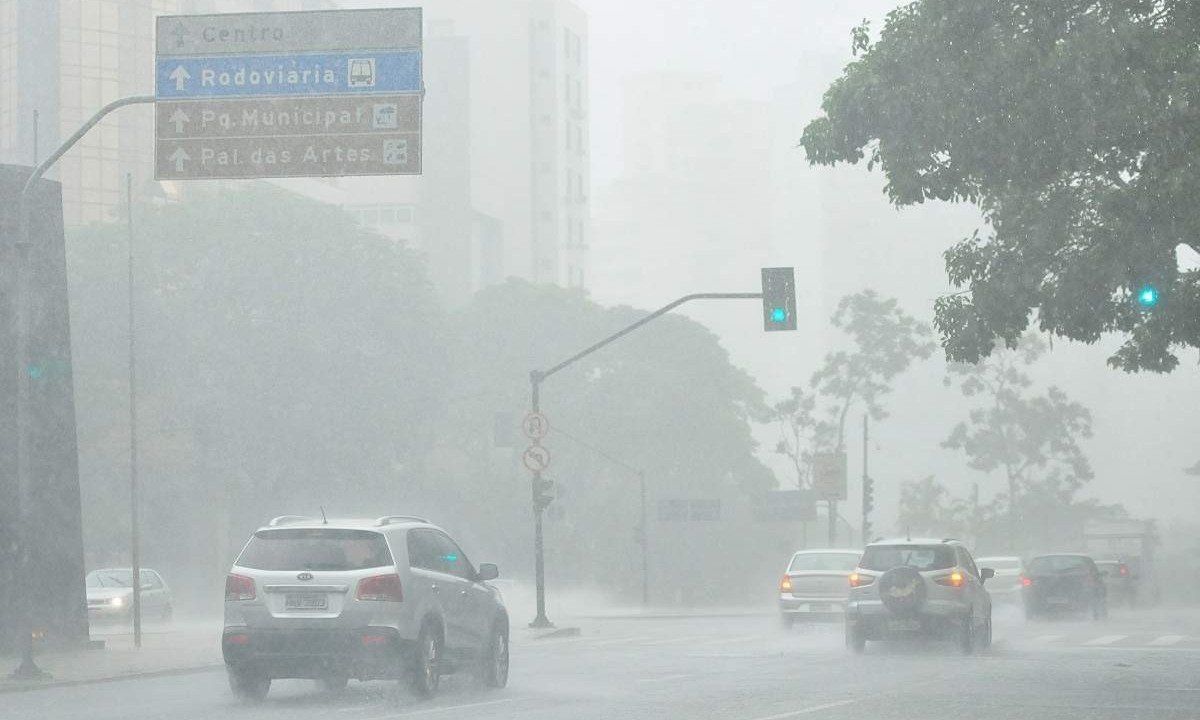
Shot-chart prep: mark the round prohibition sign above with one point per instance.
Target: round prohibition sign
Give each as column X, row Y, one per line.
column 536, row 458
column 535, row 426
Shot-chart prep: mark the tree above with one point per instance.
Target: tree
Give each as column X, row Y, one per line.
column 665, row 399
column 1074, row 126
column 287, row 360
column 928, row 509
column 885, row 342
column 796, row 424
column 1033, row 440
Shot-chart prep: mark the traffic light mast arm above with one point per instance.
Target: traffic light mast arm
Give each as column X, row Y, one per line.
column 537, row 376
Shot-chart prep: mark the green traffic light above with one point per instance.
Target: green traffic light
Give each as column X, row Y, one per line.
column 36, row 373
column 778, row 315
column 1148, row 296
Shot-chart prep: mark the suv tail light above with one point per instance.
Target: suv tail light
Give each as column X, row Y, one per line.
column 383, row 588
column 239, row 587
column 785, row 585
column 954, row 579
column 1026, row 581
column 1124, row 570
column 860, row 580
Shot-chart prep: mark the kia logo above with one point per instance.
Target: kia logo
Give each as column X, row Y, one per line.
column 305, row 576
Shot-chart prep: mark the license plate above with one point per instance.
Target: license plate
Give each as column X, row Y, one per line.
column 305, row 602
column 906, row 625
column 820, row 607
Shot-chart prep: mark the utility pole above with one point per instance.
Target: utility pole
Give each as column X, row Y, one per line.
column 642, row 537
column 134, row 529
column 868, row 485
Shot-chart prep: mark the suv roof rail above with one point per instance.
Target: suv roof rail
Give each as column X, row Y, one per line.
column 391, row 519
column 949, row 539
column 287, row 519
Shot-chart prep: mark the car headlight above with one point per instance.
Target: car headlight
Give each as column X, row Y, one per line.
column 117, row 602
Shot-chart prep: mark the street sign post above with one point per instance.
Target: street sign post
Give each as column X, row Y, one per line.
column 829, row 475
column 293, row 94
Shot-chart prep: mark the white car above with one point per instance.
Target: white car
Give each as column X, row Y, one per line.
column 815, row 585
column 1006, row 585
column 110, row 596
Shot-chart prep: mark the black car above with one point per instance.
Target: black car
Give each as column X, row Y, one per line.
column 1063, row 583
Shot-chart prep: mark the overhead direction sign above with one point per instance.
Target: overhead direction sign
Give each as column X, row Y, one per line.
column 327, row 93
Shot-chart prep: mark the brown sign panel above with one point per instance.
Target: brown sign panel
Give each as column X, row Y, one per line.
column 283, row 116
column 299, row 156
column 289, row 32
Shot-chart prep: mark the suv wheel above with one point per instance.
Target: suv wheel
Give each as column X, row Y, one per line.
column 425, row 673
column 986, row 642
column 493, row 670
column 1099, row 610
column 966, row 635
column 249, row 685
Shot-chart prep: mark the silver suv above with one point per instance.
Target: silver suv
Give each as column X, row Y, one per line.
column 332, row 600
column 925, row 587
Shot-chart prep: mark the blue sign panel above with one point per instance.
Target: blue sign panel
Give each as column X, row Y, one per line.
column 270, row 75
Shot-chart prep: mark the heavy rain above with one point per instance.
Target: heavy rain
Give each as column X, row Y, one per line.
column 541, row 359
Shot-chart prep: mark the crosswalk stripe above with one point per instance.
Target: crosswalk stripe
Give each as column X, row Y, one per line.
column 1168, row 640
column 1106, row 640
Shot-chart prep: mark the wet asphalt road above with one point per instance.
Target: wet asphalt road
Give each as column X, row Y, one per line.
column 1132, row 666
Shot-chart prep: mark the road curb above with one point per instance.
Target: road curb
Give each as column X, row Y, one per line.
column 560, row 632
column 678, row 616
column 15, row 687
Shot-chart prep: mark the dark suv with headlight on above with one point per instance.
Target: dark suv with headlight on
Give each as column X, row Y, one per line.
column 919, row 587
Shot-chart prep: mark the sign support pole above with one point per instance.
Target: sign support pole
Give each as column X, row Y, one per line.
column 28, row 668
column 537, row 377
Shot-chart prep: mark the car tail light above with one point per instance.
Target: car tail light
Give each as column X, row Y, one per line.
column 1025, row 581
column 374, row 640
column 237, row 639
column 954, row 579
column 785, row 585
column 383, row 588
column 860, row 580
column 239, row 587
column 1124, row 570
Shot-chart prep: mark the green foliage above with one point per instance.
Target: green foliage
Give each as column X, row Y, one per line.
column 1033, row 440
column 1074, row 126
column 885, row 341
column 286, row 360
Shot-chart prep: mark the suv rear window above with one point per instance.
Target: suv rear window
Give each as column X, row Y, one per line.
column 921, row 557
column 1051, row 564
column 315, row 549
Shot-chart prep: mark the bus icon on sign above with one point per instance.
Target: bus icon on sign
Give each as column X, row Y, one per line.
column 360, row 72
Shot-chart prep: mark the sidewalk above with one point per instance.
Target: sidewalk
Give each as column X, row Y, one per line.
column 164, row 652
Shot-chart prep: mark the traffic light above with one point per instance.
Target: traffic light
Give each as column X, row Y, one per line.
column 1147, row 296
column 779, row 299
column 543, row 492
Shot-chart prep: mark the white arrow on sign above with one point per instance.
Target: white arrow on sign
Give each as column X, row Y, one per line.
column 180, row 75
column 178, row 117
column 179, row 157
